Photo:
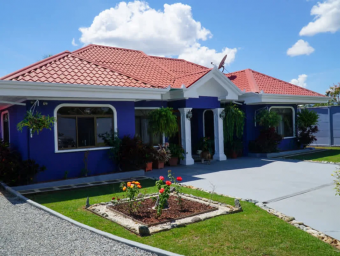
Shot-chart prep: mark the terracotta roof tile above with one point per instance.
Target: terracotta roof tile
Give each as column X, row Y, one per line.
column 78, row 71
column 253, row 81
column 111, row 66
column 188, row 80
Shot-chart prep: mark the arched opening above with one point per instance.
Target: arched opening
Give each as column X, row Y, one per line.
column 208, row 123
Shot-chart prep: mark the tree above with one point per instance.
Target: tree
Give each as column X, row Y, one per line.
column 334, row 93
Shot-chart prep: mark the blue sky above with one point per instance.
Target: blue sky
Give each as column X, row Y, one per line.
column 255, row 34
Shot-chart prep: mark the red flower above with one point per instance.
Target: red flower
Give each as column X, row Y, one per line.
column 168, row 182
column 118, row 199
column 179, row 178
column 161, row 190
column 113, row 198
column 161, row 177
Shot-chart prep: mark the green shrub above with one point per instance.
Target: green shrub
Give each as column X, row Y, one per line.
column 163, row 121
column 307, row 121
column 15, row 171
column 268, row 119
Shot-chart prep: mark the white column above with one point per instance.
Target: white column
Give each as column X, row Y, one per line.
column 186, row 136
column 218, row 133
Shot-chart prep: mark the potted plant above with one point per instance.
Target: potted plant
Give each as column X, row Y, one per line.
column 160, row 156
column 163, row 121
column 236, row 148
column 36, row 122
column 207, row 147
column 177, row 152
column 149, row 152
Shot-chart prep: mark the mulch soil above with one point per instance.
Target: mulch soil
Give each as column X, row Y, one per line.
column 147, row 215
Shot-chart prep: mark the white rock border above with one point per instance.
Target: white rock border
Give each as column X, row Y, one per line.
column 139, row 228
column 291, row 220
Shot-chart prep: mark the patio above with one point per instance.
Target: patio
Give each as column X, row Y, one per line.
column 301, row 189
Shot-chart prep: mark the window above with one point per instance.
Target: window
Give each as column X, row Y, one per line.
column 286, row 128
column 5, row 126
column 141, row 125
column 81, row 127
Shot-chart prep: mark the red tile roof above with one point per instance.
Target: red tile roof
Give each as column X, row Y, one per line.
column 253, row 81
column 112, row 66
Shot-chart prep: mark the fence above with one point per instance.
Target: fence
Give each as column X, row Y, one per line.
column 329, row 126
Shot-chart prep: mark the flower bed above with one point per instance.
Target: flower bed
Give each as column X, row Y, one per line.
column 147, row 214
column 209, row 209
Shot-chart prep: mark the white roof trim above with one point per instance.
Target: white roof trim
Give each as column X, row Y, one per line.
column 78, row 91
column 232, row 91
column 251, row 98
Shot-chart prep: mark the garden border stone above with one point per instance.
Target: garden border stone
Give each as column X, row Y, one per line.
column 105, row 234
column 104, row 210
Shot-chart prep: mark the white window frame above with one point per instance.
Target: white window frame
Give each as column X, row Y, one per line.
column 56, row 150
column 2, row 126
column 294, row 127
column 150, row 108
column 204, row 120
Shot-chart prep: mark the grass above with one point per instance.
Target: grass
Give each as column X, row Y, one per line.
column 251, row 232
column 331, row 155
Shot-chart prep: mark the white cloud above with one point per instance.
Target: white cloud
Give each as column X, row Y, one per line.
column 327, row 18
column 300, row 81
column 74, row 42
column 301, row 47
column 169, row 32
column 204, row 56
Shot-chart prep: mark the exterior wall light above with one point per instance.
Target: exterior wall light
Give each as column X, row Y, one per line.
column 189, row 114
column 222, row 115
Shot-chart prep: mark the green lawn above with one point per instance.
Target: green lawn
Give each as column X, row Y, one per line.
column 331, row 155
column 251, row 232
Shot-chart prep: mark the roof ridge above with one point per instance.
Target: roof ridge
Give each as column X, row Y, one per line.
column 111, row 69
column 105, row 46
column 168, row 58
column 251, row 79
column 288, row 83
column 113, row 47
column 158, row 64
column 193, row 73
column 35, row 65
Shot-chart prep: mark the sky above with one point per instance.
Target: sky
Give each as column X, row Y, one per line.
column 297, row 41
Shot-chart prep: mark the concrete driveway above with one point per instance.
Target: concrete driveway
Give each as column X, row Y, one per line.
column 301, row 189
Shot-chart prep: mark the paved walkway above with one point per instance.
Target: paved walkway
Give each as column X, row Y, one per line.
column 26, row 230
column 301, row 189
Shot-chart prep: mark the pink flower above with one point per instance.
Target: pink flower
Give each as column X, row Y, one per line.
column 168, row 182
column 161, row 190
column 179, row 178
column 161, row 177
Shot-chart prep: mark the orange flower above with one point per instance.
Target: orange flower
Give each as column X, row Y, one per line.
column 124, row 188
column 139, row 186
column 129, row 184
column 137, row 183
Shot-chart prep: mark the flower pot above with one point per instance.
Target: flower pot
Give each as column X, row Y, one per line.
column 234, row 154
column 158, row 165
column 173, row 161
column 148, row 166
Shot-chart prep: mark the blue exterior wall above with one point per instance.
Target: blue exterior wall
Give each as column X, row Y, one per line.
column 329, row 126
column 251, row 132
column 18, row 140
column 41, row 148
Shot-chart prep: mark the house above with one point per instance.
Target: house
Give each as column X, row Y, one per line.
column 98, row 88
